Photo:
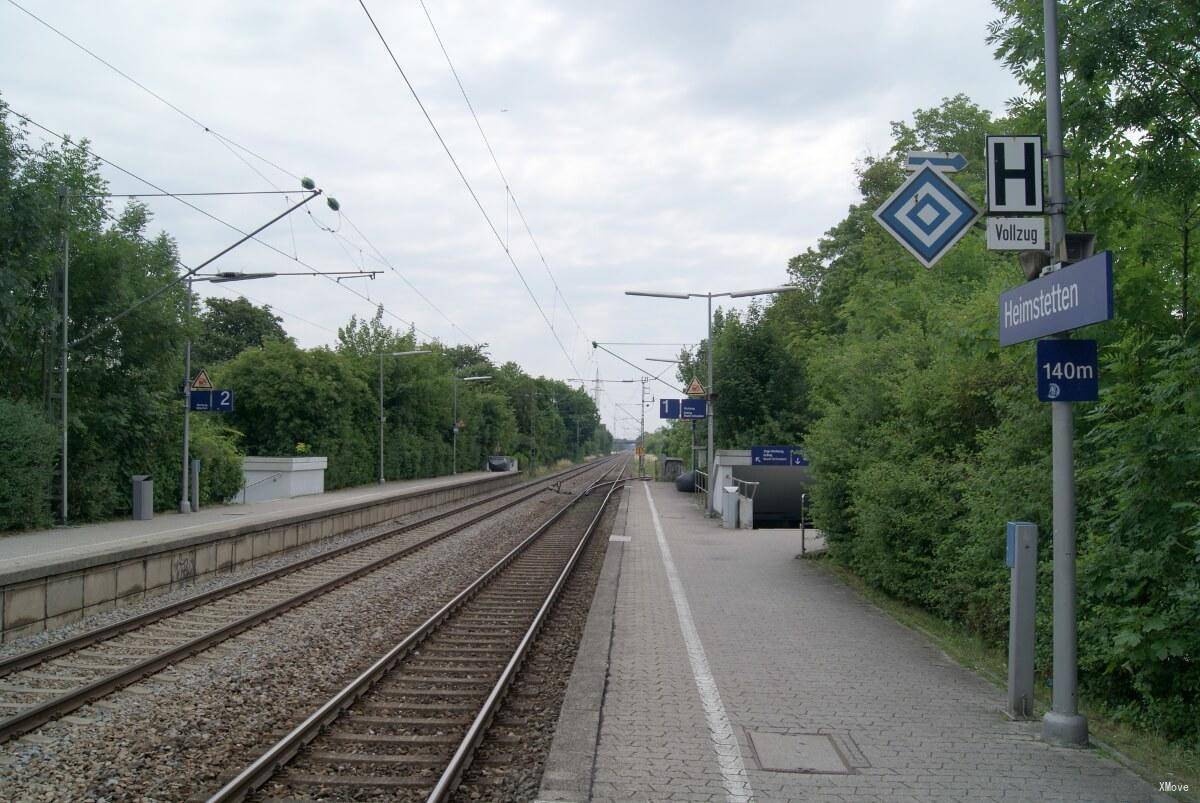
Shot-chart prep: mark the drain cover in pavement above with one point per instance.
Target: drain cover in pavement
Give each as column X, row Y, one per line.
column 797, row 752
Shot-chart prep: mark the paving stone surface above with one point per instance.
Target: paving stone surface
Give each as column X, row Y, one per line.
column 793, row 651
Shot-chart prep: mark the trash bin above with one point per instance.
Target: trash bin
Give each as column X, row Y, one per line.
column 143, row 497
column 729, row 507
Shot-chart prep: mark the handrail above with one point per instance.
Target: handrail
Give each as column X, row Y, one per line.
column 742, row 485
column 263, row 479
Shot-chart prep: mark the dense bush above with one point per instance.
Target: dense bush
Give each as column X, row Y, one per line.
column 925, row 436
column 27, row 451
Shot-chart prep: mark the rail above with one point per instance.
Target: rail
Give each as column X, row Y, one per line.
column 279, row 754
column 38, row 714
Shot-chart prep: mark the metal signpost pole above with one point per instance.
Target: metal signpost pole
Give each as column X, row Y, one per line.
column 381, row 418
column 454, row 426
column 64, row 358
column 708, row 394
column 1062, row 724
column 184, row 505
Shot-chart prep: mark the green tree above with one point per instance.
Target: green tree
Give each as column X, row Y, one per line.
column 230, row 326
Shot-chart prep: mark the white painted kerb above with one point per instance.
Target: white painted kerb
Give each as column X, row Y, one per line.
column 720, row 731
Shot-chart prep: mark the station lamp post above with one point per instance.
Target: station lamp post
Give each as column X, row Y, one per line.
column 764, row 291
column 383, row 354
column 454, row 447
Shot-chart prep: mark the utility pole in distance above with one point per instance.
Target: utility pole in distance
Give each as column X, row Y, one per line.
column 1063, row 724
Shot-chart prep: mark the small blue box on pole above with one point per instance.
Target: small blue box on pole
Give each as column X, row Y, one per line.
column 1068, row 370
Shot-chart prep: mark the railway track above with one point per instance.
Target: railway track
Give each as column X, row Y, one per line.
column 408, row 727
column 42, row 685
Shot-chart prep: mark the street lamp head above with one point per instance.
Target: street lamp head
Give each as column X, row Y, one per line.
column 474, row 378
column 408, row 353
column 764, row 291
column 651, row 294
column 662, row 359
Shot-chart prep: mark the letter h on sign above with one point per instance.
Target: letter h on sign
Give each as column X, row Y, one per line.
column 1014, row 174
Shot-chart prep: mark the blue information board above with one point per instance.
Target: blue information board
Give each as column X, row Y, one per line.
column 668, row 408
column 692, row 409
column 1074, row 296
column 214, row 401
column 770, row 455
column 1068, row 370
column 798, row 458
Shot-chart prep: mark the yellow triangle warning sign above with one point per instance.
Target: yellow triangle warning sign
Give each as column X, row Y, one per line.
column 202, row 382
column 695, row 389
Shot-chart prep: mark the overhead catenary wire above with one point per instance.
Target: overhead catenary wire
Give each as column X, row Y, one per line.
column 640, row 370
column 466, row 183
column 495, row 161
column 215, row 218
column 150, row 91
column 233, row 146
column 379, row 257
column 272, row 307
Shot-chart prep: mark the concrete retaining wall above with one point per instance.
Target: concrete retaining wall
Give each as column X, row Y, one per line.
column 123, row 578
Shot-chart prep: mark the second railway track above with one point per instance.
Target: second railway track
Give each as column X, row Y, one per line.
column 408, row 727
column 42, row 685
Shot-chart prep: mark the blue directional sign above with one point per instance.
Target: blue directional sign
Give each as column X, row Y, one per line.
column 1068, row 370
column 1074, row 296
column 214, row 401
column 692, row 409
column 798, row 458
column 927, row 215
column 941, row 160
column 770, row 455
column 668, row 408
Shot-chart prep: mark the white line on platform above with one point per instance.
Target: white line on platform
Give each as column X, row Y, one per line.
column 720, row 730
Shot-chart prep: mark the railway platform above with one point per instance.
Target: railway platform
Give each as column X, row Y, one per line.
column 715, row 665
column 57, row 576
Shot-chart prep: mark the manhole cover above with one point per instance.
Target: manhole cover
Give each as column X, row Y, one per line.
column 797, row 752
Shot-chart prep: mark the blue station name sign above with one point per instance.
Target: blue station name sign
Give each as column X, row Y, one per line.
column 1075, row 296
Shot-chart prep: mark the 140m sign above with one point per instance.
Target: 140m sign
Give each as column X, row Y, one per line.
column 1068, row 370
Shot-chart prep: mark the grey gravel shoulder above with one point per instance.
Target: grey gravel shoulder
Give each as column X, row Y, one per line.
column 567, row 777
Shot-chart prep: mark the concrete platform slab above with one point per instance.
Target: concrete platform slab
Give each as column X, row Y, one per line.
column 733, row 671
column 25, row 555
column 49, row 578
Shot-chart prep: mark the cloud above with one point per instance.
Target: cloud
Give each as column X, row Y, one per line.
column 682, row 145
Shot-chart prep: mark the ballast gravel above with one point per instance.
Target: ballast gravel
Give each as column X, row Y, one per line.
column 183, row 732
column 217, row 580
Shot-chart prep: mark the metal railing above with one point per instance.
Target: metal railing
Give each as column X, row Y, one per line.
column 240, row 496
column 746, row 488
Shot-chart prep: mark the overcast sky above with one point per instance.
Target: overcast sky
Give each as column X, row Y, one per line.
column 683, row 146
